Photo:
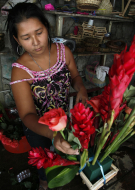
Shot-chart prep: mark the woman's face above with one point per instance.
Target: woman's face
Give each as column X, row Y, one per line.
column 32, row 36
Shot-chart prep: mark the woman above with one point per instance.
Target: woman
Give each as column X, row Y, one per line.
column 41, row 77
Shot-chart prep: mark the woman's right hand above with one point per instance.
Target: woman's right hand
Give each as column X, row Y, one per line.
column 63, row 145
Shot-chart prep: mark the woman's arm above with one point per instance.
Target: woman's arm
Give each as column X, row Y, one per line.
column 25, row 105
column 77, row 82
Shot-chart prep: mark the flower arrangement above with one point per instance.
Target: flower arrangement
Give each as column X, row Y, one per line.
column 10, row 128
column 102, row 127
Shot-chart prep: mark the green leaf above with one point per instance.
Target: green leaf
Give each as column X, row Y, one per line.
column 58, row 176
column 70, row 137
column 120, row 119
column 130, row 92
column 131, row 103
column 76, row 140
column 27, row 184
column 72, row 157
column 84, row 158
column 60, row 153
column 74, row 145
column 3, row 125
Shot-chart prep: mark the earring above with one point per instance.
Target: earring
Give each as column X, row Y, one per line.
column 49, row 41
column 20, row 50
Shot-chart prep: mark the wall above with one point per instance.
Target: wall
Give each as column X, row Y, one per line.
column 121, row 31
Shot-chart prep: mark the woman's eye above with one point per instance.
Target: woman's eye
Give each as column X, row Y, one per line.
column 39, row 33
column 26, row 38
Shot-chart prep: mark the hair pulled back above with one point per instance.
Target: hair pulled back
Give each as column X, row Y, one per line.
column 19, row 13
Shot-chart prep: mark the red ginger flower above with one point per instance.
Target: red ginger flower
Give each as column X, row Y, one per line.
column 40, row 158
column 56, row 119
column 82, row 120
column 120, row 76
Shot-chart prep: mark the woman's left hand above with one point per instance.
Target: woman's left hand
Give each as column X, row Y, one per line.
column 82, row 96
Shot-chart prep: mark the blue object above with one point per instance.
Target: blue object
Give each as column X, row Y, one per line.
column 58, row 40
column 75, row 19
column 101, row 168
column 53, row 141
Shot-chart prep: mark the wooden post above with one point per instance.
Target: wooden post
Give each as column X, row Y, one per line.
column 122, row 6
column 123, row 13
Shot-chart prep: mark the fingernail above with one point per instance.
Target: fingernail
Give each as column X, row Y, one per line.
column 77, row 152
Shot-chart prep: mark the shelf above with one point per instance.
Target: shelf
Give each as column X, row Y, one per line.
column 112, row 17
column 5, row 51
column 94, row 53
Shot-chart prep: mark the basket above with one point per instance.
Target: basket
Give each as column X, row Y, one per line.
column 105, row 8
column 88, row 5
column 92, row 40
column 78, row 38
column 2, row 41
column 100, row 38
column 87, row 31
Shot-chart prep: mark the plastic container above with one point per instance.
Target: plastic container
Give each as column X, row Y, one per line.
column 23, row 147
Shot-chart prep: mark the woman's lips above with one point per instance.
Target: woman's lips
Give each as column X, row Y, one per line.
column 39, row 49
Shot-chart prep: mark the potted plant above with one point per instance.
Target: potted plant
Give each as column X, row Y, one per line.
column 11, row 132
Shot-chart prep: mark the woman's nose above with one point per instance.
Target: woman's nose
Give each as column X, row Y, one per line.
column 35, row 41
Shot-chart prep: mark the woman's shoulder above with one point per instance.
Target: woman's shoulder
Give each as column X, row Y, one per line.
column 23, row 59
column 19, row 68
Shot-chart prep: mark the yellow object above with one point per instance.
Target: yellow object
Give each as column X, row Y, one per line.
column 105, row 8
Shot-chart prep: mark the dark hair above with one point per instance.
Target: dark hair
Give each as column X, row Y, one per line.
column 20, row 12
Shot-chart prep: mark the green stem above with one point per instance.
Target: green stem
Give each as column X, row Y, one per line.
column 114, row 143
column 130, row 135
column 129, row 123
column 102, row 134
column 120, row 143
column 112, row 119
column 100, row 148
column 62, row 134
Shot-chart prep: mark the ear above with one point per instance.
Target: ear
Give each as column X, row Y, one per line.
column 16, row 40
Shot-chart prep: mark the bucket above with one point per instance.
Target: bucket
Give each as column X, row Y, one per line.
column 23, row 147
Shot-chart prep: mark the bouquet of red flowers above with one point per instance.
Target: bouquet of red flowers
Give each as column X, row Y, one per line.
column 105, row 126
column 76, row 131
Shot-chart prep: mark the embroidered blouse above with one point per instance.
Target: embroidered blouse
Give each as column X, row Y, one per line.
column 50, row 88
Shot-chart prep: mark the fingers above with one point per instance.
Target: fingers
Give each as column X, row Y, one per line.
column 70, row 151
column 84, row 101
column 65, row 147
column 77, row 100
